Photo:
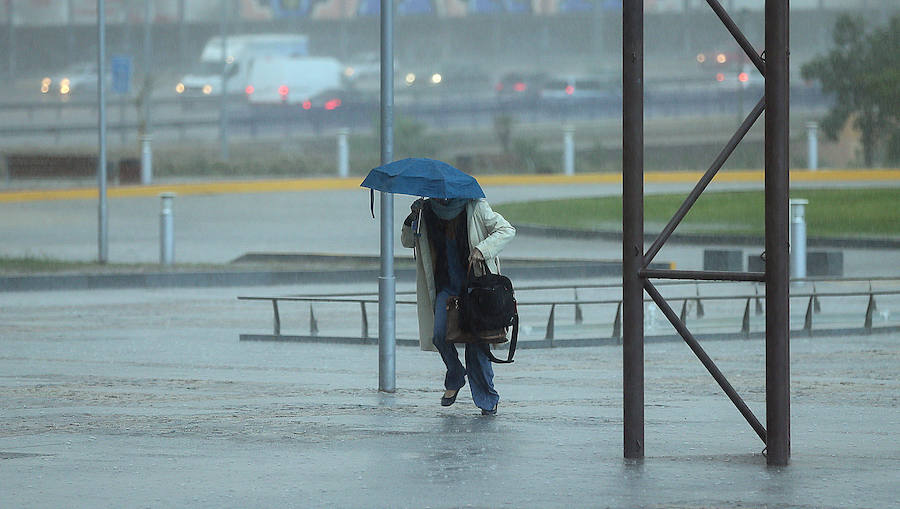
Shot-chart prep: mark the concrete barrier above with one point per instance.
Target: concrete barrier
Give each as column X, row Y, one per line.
column 818, row 263
column 824, row 263
column 723, row 259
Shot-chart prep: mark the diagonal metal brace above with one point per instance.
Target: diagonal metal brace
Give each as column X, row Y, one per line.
column 738, row 35
column 706, row 360
column 277, row 318
column 704, row 181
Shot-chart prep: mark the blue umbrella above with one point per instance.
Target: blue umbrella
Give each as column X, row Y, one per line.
column 420, row 176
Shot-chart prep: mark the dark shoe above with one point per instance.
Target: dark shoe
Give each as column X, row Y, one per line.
column 449, row 401
column 490, row 412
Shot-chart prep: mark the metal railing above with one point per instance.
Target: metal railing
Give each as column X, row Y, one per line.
column 725, row 325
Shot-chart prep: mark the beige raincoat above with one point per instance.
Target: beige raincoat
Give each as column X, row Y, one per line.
column 488, row 231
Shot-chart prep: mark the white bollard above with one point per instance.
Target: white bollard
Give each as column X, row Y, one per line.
column 798, row 238
column 569, row 150
column 146, row 159
column 343, row 153
column 167, row 230
column 812, row 142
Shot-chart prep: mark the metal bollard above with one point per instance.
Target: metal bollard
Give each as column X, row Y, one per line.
column 812, row 142
column 343, row 153
column 146, row 159
column 569, row 150
column 798, row 238
column 166, row 230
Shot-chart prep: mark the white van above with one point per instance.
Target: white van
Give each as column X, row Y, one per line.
column 206, row 78
column 292, row 80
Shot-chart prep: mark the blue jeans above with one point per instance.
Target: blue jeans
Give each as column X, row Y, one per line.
column 478, row 365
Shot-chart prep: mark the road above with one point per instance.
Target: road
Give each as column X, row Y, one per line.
column 50, row 122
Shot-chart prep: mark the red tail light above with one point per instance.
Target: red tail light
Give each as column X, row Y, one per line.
column 570, row 89
column 519, row 87
column 283, row 90
column 720, row 77
column 332, row 104
column 743, row 77
column 307, row 105
column 249, row 90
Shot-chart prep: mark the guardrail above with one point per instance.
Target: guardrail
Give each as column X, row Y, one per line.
column 860, row 321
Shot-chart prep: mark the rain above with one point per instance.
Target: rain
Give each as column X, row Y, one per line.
column 201, row 305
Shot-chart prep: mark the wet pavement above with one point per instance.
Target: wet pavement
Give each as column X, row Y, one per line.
column 146, row 398
column 135, row 398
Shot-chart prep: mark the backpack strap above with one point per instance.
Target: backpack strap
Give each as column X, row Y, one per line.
column 512, row 344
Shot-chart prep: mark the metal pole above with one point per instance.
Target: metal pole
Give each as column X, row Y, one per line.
column 778, row 442
column 343, row 153
column 167, row 230
column 147, row 92
column 569, row 149
column 70, row 30
column 812, row 142
column 798, row 238
column 386, row 283
column 10, row 42
column 223, row 90
column 182, row 36
column 103, row 218
column 633, row 226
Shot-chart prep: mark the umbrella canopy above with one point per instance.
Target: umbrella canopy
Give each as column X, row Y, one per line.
column 420, row 176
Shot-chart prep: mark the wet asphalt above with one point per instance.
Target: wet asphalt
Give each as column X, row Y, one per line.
column 146, row 398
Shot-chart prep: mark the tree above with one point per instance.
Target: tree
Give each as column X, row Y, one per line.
column 862, row 72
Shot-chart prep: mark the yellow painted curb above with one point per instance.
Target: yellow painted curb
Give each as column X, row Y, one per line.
column 321, row 184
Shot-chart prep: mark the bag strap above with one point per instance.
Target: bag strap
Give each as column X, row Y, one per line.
column 484, row 269
column 512, row 345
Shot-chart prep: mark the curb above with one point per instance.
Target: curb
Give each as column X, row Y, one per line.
column 153, row 280
column 704, row 238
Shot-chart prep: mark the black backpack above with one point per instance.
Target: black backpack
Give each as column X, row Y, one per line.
column 488, row 307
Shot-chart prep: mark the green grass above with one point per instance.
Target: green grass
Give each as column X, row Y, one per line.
column 28, row 264
column 831, row 212
column 46, row 265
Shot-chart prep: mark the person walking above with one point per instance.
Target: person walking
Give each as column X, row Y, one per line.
column 448, row 236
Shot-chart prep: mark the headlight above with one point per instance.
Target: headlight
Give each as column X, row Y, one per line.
column 207, row 89
column 436, row 78
column 179, row 88
column 64, row 87
column 410, row 79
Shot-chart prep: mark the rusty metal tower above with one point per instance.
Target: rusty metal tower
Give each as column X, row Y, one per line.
column 773, row 64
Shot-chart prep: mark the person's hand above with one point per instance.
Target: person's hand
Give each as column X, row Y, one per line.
column 476, row 255
column 417, row 205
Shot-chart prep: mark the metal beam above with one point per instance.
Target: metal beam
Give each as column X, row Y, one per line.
column 387, row 284
column 704, row 275
column 633, row 225
column 778, row 307
column 102, row 209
